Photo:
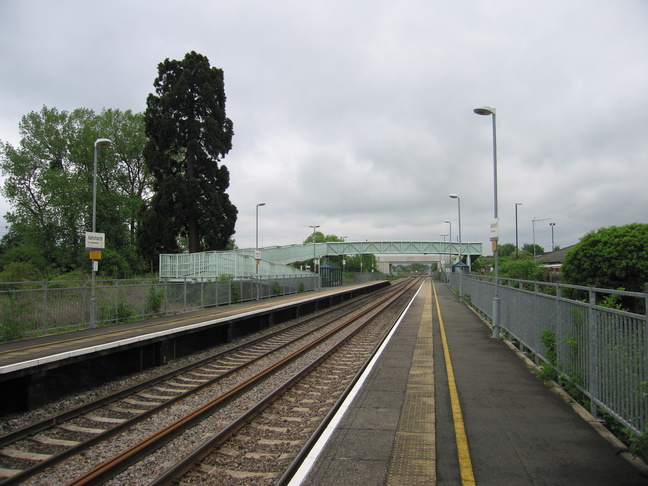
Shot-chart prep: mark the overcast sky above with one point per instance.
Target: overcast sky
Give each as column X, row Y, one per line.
column 358, row 115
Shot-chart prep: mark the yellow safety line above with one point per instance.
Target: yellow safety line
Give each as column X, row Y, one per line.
column 463, row 452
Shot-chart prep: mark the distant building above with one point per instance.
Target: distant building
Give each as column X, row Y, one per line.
column 553, row 261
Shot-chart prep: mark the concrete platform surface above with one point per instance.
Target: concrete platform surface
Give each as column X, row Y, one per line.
column 402, row 427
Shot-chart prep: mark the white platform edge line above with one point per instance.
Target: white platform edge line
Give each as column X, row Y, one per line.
column 115, row 344
column 314, row 453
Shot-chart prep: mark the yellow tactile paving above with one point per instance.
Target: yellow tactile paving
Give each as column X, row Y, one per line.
column 413, row 454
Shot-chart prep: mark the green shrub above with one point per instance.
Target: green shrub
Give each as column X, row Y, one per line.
column 548, row 339
column 154, row 301
column 122, row 313
column 236, row 293
column 19, row 272
column 276, row 289
column 639, row 444
column 12, row 318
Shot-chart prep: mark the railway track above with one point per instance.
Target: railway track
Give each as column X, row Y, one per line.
column 32, row 451
column 265, row 442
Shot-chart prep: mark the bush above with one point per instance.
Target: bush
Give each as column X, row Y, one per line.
column 236, row 293
column 123, row 313
column 276, row 289
column 154, row 301
column 12, row 317
column 610, row 258
column 521, row 269
column 19, row 272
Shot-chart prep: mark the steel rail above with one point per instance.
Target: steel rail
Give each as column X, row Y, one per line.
column 171, row 476
column 79, row 411
column 115, row 465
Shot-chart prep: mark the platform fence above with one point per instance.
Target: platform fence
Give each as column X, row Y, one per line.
column 602, row 351
column 36, row 308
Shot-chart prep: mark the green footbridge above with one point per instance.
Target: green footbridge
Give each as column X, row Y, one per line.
column 275, row 260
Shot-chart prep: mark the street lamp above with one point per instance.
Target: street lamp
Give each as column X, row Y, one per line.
column 486, row 111
column 516, row 230
column 343, row 261
column 100, row 142
column 314, row 226
column 455, row 196
column 257, row 254
column 445, row 262
column 553, row 247
column 449, row 247
column 449, row 236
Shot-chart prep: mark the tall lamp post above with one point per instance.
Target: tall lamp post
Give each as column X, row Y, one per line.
column 314, row 226
column 516, row 230
column 257, row 254
column 486, row 111
column 343, row 260
column 449, row 245
column 449, row 238
column 445, row 261
column 553, row 247
column 455, row 196
column 100, row 142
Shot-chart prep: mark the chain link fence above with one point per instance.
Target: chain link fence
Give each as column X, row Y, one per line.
column 36, row 308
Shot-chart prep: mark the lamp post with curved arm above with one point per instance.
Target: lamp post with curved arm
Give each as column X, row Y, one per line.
column 100, row 142
column 314, row 226
column 488, row 111
column 445, row 261
column 517, row 246
column 456, row 196
column 257, row 254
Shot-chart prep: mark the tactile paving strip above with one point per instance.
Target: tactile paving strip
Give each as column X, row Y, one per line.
column 413, row 454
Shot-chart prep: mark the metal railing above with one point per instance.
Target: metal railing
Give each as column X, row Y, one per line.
column 601, row 350
column 214, row 264
column 35, row 308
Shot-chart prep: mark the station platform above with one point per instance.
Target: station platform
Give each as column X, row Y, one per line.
column 37, row 370
column 445, row 404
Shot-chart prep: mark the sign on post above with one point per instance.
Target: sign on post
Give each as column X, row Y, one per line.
column 494, row 229
column 494, row 233
column 95, row 241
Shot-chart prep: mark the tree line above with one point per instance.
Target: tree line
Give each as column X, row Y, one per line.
column 160, row 185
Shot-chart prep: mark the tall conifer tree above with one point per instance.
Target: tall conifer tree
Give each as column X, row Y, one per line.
column 188, row 134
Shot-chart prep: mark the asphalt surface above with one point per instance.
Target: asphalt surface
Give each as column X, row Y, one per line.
column 518, row 431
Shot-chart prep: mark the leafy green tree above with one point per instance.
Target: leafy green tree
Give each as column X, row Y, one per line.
column 20, row 272
column 361, row 263
column 49, row 179
column 124, row 179
column 520, row 268
column 532, row 249
column 46, row 183
column 188, row 134
column 610, row 258
column 321, row 238
column 506, row 250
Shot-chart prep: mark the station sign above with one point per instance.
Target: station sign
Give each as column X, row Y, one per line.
column 494, row 229
column 95, row 241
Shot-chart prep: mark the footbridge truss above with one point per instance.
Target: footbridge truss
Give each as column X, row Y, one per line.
column 274, row 260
